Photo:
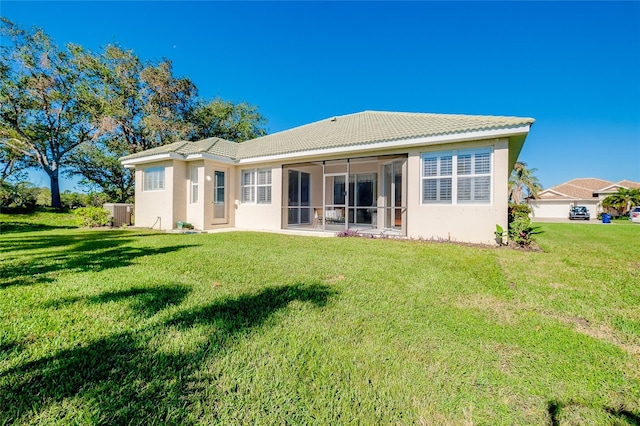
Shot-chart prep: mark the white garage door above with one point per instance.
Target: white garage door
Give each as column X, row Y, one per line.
column 550, row 209
column 559, row 209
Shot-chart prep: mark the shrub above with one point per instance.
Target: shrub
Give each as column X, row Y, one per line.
column 499, row 233
column 354, row 233
column 21, row 196
column 72, row 200
column 347, row 233
column 517, row 210
column 96, row 199
column 92, row 217
column 520, row 230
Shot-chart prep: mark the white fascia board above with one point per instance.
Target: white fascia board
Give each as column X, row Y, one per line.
column 564, row 200
column 403, row 143
column 205, row 156
column 554, row 191
column 613, row 188
column 151, row 159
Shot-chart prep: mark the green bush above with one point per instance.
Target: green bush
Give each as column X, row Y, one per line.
column 92, row 217
column 520, row 230
column 73, row 200
column 21, row 196
column 499, row 233
column 519, row 210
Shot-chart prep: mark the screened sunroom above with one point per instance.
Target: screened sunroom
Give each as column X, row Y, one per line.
column 365, row 194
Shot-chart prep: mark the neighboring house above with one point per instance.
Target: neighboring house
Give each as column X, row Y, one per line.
column 555, row 202
column 427, row 176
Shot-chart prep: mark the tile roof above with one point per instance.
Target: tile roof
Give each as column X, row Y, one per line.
column 372, row 127
column 215, row 146
column 629, row 184
column 582, row 188
column 568, row 190
column 368, row 127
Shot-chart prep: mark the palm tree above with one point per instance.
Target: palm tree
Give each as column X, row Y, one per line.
column 623, row 200
column 523, row 178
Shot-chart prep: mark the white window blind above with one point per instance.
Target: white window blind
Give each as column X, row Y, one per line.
column 457, row 177
column 474, row 176
column 264, row 186
column 153, row 179
column 437, row 169
column 256, row 182
column 194, row 185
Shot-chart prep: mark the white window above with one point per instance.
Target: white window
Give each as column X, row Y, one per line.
column 154, row 179
column 248, row 186
column 457, row 177
column 264, row 186
column 256, row 181
column 437, row 171
column 194, row 185
column 474, row 176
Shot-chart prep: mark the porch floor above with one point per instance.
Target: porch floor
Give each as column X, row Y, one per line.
column 333, row 229
column 309, row 230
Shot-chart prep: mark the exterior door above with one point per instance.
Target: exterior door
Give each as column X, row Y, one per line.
column 299, row 209
column 219, row 197
column 362, row 198
column 335, row 200
column 393, row 195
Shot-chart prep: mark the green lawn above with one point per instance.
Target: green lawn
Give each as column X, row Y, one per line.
column 129, row 326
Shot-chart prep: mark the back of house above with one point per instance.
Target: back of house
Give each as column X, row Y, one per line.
column 430, row 176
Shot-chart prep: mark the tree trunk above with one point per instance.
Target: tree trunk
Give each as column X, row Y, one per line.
column 55, row 189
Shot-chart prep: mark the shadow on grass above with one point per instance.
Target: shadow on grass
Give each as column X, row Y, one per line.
column 554, row 409
column 143, row 300
column 19, row 227
column 35, row 242
column 626, row 415
column 122, row 379
column 88, row 251
column 8, row 346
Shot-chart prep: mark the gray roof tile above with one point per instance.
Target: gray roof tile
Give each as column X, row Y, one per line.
column 369, row 127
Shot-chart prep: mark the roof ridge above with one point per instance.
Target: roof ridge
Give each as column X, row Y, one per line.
column 442, row 114
column 212, row 144
column 572, row 181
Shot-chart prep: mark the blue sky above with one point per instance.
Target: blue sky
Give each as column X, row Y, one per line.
column 573, row 66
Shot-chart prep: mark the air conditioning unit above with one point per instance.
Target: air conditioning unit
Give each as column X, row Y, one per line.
column 120, row 213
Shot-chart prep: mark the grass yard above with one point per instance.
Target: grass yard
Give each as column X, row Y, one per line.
column 129, row 326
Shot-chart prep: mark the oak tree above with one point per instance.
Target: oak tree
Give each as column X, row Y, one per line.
column 43, row 116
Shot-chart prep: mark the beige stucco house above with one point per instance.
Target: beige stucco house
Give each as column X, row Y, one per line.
column 555, row 202
column 433, row 176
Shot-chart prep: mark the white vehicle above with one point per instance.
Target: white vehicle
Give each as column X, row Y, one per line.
column 634, row 214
